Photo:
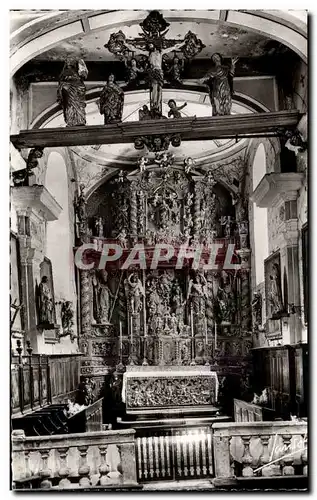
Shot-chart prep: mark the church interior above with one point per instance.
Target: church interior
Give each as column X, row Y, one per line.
column 139, row 141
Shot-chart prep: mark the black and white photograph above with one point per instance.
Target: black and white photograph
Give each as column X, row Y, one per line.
column 159, row 250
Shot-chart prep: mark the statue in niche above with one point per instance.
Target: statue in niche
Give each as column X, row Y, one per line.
column 198, row 291
column 46, row 305
column 165, row 287
column 71, row 91
column 174, row 110
column 101, row 298
column 134, row 290
column 111, row 101
column 122, row 237
column 257, row 309
column 227, row 222
column 185, row 354
column 275, row 290
column 226, row 300
column 81, row 205
column 99, row 227
column 220, row 83
column 177, row 299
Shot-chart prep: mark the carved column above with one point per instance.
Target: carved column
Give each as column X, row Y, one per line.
column 197, row 204
column 245, row 307
column 85, row 301
column 133, row 212
column 34, row 206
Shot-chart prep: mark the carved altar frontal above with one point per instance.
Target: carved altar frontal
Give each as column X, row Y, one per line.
column 148, row 388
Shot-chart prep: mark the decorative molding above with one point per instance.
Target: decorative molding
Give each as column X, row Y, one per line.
column 275, row 185
column 35, row 198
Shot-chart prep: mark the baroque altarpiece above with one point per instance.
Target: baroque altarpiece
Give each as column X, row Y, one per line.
column 174, row 315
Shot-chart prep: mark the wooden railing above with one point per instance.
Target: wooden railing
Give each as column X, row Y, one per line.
column 259, row 450
column 104, row 459
column 38, row 380
column 283, row 371
column 249, row 412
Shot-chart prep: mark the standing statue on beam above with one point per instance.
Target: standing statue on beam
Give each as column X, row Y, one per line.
column 154, row 46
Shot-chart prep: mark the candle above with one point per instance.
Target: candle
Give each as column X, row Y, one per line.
column 192, row 320
column 215, row 335
column 131, row 329
column 206, row 330
column 120, row 327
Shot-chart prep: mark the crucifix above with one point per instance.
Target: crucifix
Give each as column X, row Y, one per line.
column 153, row 46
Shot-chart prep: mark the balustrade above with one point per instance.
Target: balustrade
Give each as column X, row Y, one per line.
column 93, row 459
column 260, row 449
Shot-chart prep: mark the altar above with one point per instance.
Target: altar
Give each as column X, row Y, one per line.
column 151, row 389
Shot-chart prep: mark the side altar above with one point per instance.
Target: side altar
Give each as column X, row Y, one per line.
column 148, row 390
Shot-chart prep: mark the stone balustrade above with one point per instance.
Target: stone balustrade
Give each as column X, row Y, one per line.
column 93, row 459
column 249, row 412
column 260, row 449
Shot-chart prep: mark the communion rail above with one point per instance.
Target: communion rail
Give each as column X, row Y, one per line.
column 252, row 453
column 38, row 380
column 93, row 460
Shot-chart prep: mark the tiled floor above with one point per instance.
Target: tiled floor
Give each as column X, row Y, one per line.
column 189, row 485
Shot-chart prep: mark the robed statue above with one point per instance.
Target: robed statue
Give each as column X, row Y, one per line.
column 46, row 305
column 111, row 101
column 134, row 292
column 101, row 298
column 71, row 91
column 198, row 293
column 275, row 291
column 220, row 83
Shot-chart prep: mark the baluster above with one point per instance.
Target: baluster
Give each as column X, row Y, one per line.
column 304, row 455
column 104, row 468
column 162, row 448
column 265, row 457
column 185, row 454
column 31, row 381
column 84, row 468
column 178, row 438
column 156, row 459
column 247, row 470
column 287, row 463
column 27, row 463
column 64, row 471
column 203, row 453
column 45, row 472
column 145, row 455
column 191, row 453
column 150, row 456
column 209, row 451
column 167, row 448
column 140, row 457
column 21, row 381
column 197, row 446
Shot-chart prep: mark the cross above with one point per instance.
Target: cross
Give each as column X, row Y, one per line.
column 154, row 46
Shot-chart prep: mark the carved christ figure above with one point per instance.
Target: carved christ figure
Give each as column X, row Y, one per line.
column 155, row 72
column 45, row 302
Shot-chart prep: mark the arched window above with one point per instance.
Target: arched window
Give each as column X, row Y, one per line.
column 260, row 226
column 59, row 235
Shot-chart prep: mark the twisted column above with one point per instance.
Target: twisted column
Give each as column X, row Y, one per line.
column 197, row 211
column 133, row 212
column 245, row 309
column 85, row 312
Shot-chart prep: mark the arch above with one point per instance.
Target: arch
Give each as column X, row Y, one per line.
column 59, row 234
column 288, row 30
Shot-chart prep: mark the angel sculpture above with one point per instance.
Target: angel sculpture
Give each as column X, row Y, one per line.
column 122, row 237
column 164, row 159
column 133, row 71
column 142, row 162
column 111, row 101
column 189, row 163
column 134, row 289
column 174, row 110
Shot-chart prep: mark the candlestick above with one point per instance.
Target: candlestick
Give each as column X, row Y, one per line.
column 206, row 330
column 215, row 336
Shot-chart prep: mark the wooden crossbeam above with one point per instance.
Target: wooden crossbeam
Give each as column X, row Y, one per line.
column 190, row 129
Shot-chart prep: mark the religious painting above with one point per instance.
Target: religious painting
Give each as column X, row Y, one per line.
column 273, row 287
